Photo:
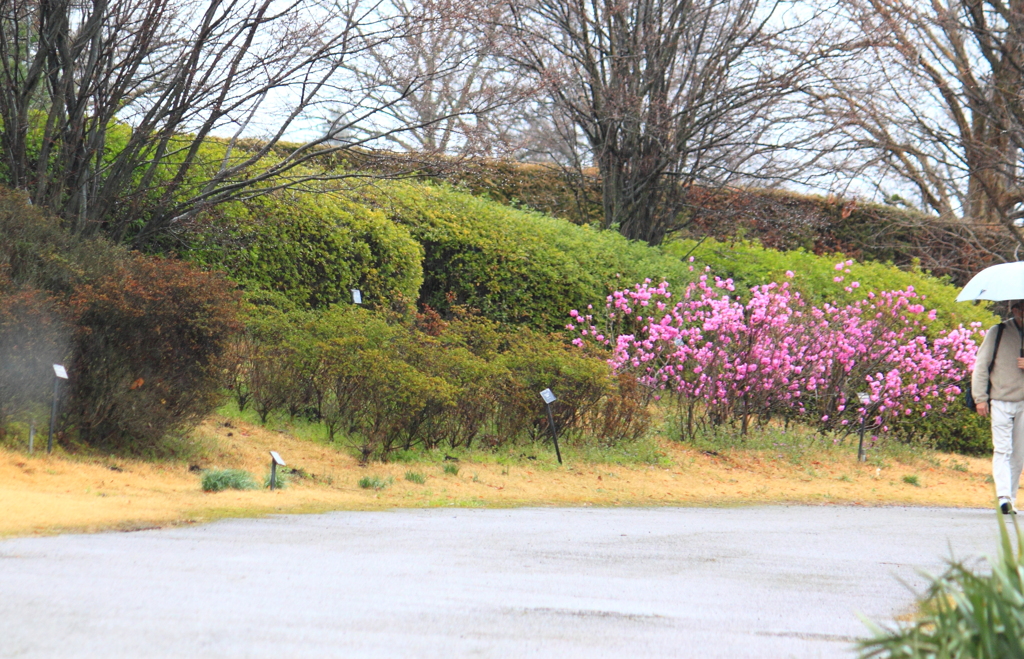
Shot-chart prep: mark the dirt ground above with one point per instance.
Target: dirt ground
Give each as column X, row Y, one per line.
column 42, row 494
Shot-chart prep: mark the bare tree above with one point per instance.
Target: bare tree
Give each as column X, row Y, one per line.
column 109, row 106
column 441, row 74
column 666, row 92
column 932, row 100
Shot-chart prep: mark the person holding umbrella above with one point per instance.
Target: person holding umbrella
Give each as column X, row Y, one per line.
column 998, row 388
column 997, row 383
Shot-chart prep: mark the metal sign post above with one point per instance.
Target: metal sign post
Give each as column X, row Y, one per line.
column 31, row 435
column 275, row 460
column 61, row 374
column 865, row 400
column 548, row 399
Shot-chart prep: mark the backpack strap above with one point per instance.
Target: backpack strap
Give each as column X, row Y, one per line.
column 995, row 352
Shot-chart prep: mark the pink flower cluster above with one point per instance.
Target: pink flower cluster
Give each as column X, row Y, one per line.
column 777, row 356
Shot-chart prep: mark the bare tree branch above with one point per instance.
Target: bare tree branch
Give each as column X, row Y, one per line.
column 108, row 106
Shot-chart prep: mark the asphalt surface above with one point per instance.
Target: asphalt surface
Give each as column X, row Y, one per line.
column 779, row 581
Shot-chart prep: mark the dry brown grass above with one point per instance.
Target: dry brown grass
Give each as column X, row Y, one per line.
column 41, row 494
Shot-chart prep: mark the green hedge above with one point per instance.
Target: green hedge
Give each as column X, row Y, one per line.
column 512, row 265
column 421, row 242
column 383, row 387
column 312, row 248
column 749, row 264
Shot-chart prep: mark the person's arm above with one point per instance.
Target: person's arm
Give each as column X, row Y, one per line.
column 979, row 379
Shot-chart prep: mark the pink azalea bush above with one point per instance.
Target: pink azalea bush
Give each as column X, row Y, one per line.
column 775, row 356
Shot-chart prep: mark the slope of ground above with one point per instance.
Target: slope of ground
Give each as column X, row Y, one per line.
column 41, row 494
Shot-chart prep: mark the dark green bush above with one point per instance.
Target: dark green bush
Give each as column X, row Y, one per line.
column 36, row 251
column 957, row 430
column 535, row 363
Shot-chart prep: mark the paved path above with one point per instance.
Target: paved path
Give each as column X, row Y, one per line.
column 663, row 582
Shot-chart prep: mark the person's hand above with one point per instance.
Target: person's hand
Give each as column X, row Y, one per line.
column 1020, row 362
column 983, row 409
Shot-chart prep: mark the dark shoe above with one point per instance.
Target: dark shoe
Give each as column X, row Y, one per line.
column 1006, row 509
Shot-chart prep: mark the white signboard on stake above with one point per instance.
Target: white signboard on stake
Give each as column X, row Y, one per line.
column 58, row 369
column 357, row 296
column 277, row 458
column 865, row 399
column 548, row 396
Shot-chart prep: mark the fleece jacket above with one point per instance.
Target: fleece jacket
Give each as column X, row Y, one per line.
column 1007, row 378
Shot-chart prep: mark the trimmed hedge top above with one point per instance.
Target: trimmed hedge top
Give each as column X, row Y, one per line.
column 513, row 265
column 749, row 264
column 312, row 248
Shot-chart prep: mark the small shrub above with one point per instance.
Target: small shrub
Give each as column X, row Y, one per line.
column 216, row 480
column 911, row 479
column 536, row 362
column 451, row 469
column 374, row 482
column 415, row 477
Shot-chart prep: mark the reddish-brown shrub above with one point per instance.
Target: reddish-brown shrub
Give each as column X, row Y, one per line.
column 149, row 352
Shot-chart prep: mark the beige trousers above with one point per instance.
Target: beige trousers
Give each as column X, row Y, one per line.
column 1007, row 447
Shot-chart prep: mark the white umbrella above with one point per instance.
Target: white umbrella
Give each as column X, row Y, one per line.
column 998, row 282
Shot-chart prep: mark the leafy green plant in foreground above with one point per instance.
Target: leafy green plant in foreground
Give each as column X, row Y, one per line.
column 217, row 480
column 965, row 614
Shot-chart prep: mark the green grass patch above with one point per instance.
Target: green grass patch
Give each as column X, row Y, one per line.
column 374, row 482
column 451, row 469
column 798, row 444
column 912, row 479
column 415, row 477
column 281, row 481
column 217, row 480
